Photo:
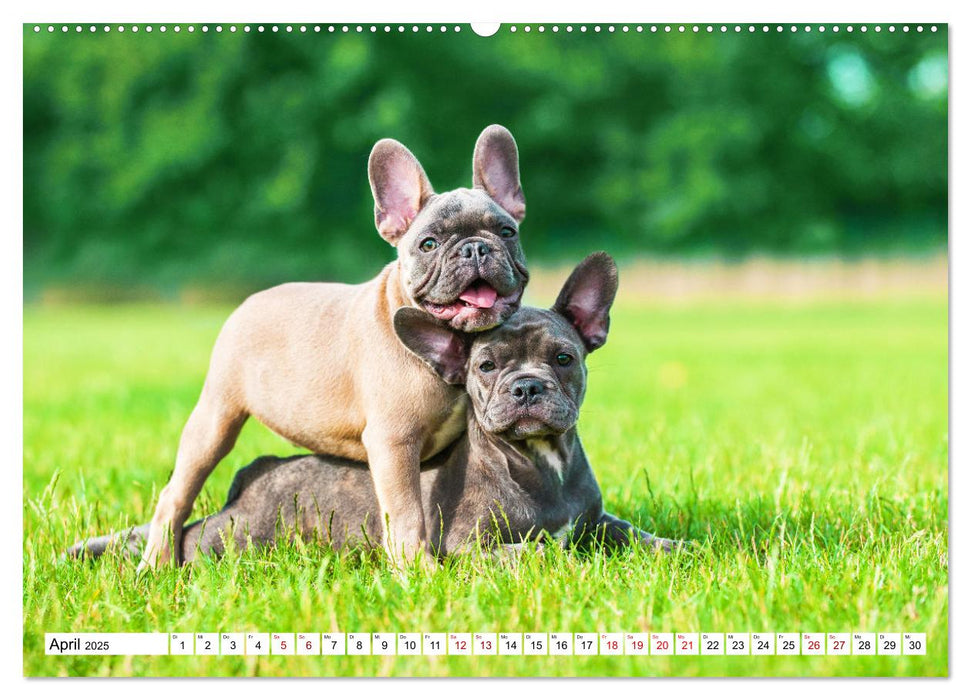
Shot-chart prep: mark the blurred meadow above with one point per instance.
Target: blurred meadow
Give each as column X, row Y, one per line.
column 801, row 446
column 774, row 388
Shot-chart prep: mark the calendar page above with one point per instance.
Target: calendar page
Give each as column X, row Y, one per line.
column 545, row 349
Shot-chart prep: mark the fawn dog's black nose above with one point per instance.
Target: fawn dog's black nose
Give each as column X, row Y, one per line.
column 527, row 389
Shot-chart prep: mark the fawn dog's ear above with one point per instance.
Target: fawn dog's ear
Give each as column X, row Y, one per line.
column 495, row 169
column 587, row 296
column 444, row 350
column 400, row 188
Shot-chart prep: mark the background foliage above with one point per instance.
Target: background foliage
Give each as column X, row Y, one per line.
column 165, row 159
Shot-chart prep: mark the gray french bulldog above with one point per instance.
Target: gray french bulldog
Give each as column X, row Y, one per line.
column 519, row 472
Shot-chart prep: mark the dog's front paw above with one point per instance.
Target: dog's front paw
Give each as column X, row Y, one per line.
column 663, row 544
column 405, row 562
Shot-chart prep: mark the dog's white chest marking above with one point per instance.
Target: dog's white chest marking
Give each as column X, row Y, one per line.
column 562, row 534
column 545, row 451
column 449, row 429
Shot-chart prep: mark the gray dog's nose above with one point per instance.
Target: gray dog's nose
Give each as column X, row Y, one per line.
column 527, row 389
column 478, row 249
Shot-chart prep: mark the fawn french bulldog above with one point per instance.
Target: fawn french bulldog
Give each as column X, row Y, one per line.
column 320, row 364
column 518, row 473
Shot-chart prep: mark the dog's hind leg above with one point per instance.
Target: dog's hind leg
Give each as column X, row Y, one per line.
column 127, row 542
column 208, row 436
column 201, row 536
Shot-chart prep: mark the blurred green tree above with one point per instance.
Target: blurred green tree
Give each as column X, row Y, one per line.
column 240, row 157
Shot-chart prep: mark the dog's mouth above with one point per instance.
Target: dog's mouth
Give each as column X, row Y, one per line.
column 534, row 422
column 531, row 427
column 480, row 296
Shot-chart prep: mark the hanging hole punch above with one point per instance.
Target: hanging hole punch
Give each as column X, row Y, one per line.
column 485, row 28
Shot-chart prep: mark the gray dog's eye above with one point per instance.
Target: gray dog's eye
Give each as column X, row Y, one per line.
column 564, row 359
column 487, row 366
column 507, row 232
column 428, row 245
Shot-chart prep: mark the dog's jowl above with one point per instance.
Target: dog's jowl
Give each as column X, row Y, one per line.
column 320, row 364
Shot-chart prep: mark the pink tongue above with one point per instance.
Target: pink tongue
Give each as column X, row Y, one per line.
column 480, row 294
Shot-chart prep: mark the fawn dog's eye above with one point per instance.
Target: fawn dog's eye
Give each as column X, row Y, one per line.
column 564, row 359
column 487, row 366
column 428, row 245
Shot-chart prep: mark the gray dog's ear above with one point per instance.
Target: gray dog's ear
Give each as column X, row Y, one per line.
column 495, row 169
column 587, row 296
column 444, row 350
column 400, row 188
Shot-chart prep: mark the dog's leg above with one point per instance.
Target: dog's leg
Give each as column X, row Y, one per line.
column 612, row 530
column 126, row 542
column 396, row 472
column 208, row 436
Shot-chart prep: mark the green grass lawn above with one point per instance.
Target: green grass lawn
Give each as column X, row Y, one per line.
column 804, row 448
